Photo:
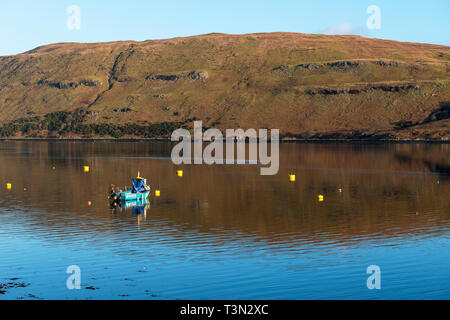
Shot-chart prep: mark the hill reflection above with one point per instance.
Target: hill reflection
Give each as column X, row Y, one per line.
column 388, row 191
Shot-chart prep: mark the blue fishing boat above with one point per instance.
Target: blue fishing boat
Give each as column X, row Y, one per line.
column 139, row 191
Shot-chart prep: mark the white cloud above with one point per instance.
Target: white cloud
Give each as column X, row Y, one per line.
column 347, row 28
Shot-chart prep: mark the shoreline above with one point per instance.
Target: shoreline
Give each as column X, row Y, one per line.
column 282, row 140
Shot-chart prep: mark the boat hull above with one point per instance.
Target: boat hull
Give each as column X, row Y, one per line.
column 129, row 196
column 135, row 203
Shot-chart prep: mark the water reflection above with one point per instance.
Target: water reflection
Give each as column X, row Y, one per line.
column 138, row 208
column 393, row 196
column 381, row 189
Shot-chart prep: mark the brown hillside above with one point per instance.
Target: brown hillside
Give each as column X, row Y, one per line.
column 308, row 86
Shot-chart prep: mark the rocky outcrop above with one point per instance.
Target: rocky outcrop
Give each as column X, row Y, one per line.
column 70, row 84
column 440, row 114
column 163, row 77
column 197, row 75
column 193, row 75
column 361, row 89
column 337, row 65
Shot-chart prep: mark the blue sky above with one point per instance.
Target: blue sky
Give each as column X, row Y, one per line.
column 28, row 24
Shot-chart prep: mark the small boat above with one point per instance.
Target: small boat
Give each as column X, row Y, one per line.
column 140, row 191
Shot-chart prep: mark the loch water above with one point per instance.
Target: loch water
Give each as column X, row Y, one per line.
column 225, row 231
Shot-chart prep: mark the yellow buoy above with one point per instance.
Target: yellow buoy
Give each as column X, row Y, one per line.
column 86, row 168
column 8, row 186
column 292, row 177
column 157, row 193
column 180, row 173
column 320, row 198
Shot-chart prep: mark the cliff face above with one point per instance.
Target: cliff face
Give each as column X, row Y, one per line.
column 308, row 86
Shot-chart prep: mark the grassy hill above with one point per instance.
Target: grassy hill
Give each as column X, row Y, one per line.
column 308, row 86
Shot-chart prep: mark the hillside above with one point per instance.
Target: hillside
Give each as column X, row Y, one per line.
column 308, row 86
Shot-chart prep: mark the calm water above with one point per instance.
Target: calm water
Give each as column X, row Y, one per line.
column 224, row 231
